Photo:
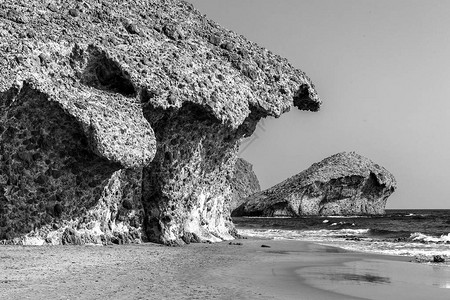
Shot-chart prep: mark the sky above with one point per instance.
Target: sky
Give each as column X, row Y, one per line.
column 382, row 70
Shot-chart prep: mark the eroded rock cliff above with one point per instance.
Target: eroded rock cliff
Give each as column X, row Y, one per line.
column 342, row 184
column 121, row 119
column 243, row 184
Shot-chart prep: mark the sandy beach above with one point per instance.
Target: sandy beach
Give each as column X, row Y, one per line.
column 285, row 270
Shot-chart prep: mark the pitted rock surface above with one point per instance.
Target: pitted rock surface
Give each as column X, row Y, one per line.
column 100, row 96
column 342, row 184
column 244, row 183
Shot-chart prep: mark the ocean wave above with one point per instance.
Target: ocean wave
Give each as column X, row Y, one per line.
column 342, row 224
column 362, row 240
column 420, row 237
column 259, row 217
column 312, row 235
column 346, row 217
column 325, row 234
column 426, row 251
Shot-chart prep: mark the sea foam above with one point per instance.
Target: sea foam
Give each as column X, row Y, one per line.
column 420, row 237
column 360, row 240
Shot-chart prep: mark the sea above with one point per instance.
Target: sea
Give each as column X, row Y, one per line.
column 422, row 234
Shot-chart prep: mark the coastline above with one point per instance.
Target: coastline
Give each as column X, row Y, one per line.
column 286, row 270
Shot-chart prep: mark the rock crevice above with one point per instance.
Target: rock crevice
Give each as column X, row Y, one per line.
column 104, row 73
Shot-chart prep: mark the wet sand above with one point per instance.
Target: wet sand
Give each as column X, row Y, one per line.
column 286, row 270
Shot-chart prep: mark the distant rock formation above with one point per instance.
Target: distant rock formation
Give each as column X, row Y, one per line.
column 342, row 184
column 243, row 184
column 120, row 120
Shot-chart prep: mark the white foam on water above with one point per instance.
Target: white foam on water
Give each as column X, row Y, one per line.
column 274, row 217
column 306, row 235
column 389, row 248
column 417, row 236
column 421, row 245
column 345, row 217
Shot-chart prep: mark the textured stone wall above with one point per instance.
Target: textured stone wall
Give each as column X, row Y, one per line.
column 186, row 187
column 46, row 156
column 49, row 172
column 349, row 195
column 117, row 217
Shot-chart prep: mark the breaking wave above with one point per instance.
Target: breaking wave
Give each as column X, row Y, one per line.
column 422, row 233
column 364, row 240
column 420, row 237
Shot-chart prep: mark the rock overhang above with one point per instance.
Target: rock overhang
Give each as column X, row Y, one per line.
column 129, row 75
column 166, row 49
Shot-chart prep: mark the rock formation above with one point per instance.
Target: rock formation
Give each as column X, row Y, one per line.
column 243, row 184
column 120, row 120
column 342, row 184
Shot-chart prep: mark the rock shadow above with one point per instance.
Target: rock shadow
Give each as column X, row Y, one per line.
column 48, row 170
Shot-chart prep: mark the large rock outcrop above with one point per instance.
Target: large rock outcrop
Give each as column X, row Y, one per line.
column 243, row 184
column 342, row 184
column 122, row 119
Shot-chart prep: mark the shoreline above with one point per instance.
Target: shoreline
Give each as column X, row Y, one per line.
column 286, row 270
column 328, row 272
